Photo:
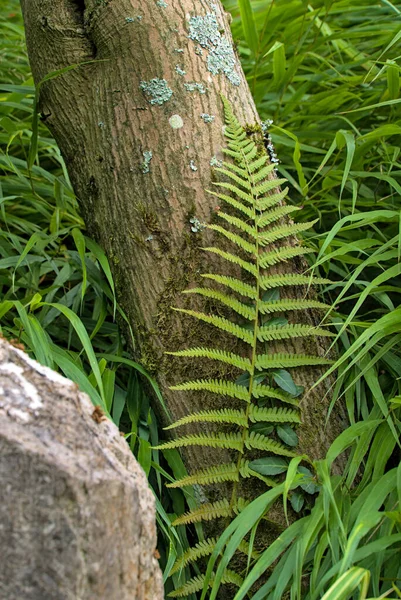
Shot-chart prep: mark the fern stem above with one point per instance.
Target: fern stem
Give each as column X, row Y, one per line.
column 245, row 428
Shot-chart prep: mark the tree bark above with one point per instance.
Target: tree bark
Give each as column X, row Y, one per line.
column 137, row 129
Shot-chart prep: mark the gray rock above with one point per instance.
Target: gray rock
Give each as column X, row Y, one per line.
column 77, row 519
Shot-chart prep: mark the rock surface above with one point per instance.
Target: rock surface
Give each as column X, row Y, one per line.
column 77, row 519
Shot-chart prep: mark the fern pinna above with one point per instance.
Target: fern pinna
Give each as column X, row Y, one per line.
column 261, row 238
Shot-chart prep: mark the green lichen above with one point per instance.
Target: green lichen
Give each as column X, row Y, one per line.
column 180, row 71
column 195, row 87
column 221, row 58
column 176, row 122
column 162, row 3
column 207, row 118
column 215, row 162
column 147, row 157
column 156, row 90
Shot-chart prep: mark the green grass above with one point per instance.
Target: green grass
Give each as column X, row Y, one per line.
column 328, row 74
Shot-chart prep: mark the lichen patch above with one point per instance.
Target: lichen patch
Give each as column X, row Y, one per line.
column 147, row 157
column 207, row 118
column 156, row 90
column 176, row 122
column 204, row 30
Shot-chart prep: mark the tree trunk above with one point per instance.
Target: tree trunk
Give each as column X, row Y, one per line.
column 138, row 129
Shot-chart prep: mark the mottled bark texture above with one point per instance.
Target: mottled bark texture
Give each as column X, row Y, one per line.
column 77, row 518
column 138, row 130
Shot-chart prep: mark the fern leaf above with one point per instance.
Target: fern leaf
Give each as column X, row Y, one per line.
column 235, row 168
column 231, row 441
column 232, row 188
column 275, row 214
column 272, row 281
column 203, row 548
column 283, row 231
column 206, row 512
column 196, row 584
column 214, row 354
column 215, row 474
column 236, row 239
column 271, row 200
column 249, row 229
column 235, row 284
column 267, row 186
column 290, row 305
column 225, row 415
column 273, row 415
column 267, row 259
column 242, row 309
column 262, row 174
column 240, row 180
column 257, row 441
column 265, row 391
column 233, row 202
column 244, row 264
column 259, row 163
column 288, row 361
column 220, row 323
column 285, row 332
column 216, row 386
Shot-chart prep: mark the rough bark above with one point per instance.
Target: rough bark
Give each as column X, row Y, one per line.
column 103, row 119
column 77, row 519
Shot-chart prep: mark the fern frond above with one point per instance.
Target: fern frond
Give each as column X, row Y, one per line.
column 231, row 441
column 203, row 548
column 235, row 168
column 267, row 259
column 242, row 309
column 285, row 332
column 288, row 361
column 262, row 174
column 233, row 202
column 249, row 229
column 232, row 188
column 259, row 163
column 196, row 584
column 278, row 233
column 268, row 282
column 206, row 512
column 273, row 415
column 235, row 284
column 215, row 474
column 216, row 386
column 235, row 239
column 275, row 214
column 214, row 354
column 220, row 323
column 257, row 441
column 290, row 305
column 267, row 186
column 265, row 391
column 242, row 181
column 244, row 264
column 225, row 415
column 271, row 200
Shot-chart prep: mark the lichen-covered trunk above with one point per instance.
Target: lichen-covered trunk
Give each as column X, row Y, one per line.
column 139, row 125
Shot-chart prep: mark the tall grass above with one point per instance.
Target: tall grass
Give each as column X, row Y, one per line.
column 328, row 74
